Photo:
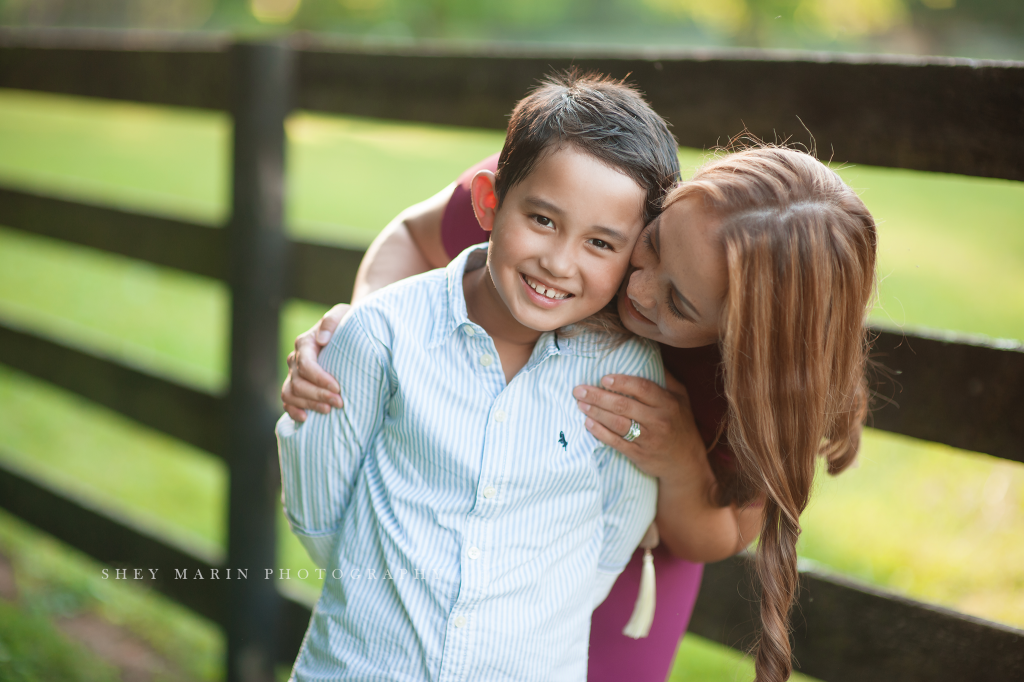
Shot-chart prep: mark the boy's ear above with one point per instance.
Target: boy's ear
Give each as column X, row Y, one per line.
column 485, row 201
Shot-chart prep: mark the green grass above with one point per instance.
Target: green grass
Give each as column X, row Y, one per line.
column 54, row 581
column 917, row 518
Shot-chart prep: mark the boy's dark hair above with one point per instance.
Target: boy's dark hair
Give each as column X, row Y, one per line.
column 599, row 115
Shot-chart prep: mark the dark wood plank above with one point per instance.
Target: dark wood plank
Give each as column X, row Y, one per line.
column 934, row 114
column 317, row 271
column 184, row 412
column 188, row 70
column 116, row 540
column 295, row 615
column 322, row 273
column 846, row 632
column 196, row 248
column 952, row 389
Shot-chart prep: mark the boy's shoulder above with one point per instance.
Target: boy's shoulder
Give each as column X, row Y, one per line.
column 630, row 355
column 412, row 302
column 412, row 307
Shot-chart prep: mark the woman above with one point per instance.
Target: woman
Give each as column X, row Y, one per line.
column 765, row 257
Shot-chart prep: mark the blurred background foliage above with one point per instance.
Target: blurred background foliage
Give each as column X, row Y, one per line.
column 984, row 29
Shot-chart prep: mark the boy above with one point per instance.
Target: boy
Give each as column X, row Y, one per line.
column 468, row 522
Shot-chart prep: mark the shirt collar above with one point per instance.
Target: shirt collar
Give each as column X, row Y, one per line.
column 549, row 343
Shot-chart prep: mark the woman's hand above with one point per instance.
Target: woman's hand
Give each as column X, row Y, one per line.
column 668, row 434
column 308, row 386
column 669, row 447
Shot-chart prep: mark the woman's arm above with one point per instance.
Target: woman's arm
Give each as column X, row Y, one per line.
column 409, row 245
column 669, row 447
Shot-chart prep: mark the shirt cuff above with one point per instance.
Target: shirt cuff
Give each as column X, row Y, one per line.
column 319, row 547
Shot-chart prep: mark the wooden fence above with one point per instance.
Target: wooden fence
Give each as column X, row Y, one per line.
column 947, row 115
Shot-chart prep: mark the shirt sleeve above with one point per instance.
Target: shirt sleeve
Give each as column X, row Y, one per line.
column 630, row 496
column 321, row 457
column 630, row 501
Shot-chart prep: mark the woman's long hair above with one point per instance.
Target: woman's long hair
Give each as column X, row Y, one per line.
column 800, row 250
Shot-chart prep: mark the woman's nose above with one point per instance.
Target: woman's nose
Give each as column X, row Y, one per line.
column 640, row 290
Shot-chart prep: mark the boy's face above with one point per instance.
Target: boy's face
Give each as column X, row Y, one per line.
column 562, row 238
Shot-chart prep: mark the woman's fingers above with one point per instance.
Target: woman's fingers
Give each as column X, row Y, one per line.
column 306, row 366
column 303, row 395
column 643, row 390
column 295, row 413
column 329, row 322
column 312, row 393
column 610, row 402
column 610, row 420
column 666, row 423
column 630, row 450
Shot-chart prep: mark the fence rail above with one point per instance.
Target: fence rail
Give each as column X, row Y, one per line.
column 942, row 115
column 934, row 114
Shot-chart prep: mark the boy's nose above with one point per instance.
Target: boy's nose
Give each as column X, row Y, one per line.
column 557, row 261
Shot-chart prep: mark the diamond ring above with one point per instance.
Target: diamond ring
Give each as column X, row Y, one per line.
column 634, row 431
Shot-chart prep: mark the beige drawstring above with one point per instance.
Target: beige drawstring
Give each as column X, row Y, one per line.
column 639, row 624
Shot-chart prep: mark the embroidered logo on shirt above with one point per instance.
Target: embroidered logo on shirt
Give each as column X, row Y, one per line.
column 562, row 441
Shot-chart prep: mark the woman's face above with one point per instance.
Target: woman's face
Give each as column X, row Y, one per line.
column 675, row 290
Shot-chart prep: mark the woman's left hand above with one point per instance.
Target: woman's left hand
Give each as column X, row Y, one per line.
column 668, row 433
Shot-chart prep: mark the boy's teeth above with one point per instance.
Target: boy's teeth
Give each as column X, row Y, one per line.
column 544, row 291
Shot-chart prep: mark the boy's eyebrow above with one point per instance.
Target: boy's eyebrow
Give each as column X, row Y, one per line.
column 548, row 207
column 610, row 233
column 543, row 205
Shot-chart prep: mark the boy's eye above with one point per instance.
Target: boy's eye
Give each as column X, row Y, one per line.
column 601, row 244
column 546, row 222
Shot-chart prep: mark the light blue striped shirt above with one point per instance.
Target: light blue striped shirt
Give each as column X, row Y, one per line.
column 468, row 526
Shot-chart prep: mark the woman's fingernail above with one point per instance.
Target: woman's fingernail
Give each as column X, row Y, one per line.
column 323, row 337
column 608, row 381
column 579, row 392
column 583, row 406
column 589, row 424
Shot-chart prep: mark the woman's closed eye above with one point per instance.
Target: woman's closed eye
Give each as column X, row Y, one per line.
column 646, row 237
column 674, row 309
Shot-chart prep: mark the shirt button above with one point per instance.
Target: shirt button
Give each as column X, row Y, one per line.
column 473, row 553
column 460, row 622
column 490, row 492
column 468, row 331
column 486, row 360
column 500, row 416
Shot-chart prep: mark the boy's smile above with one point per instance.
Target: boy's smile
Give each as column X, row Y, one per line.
column 560, row 243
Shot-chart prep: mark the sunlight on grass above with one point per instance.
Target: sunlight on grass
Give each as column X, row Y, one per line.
column 55, row 581
column 918, row 518
column 700, row 660
column 929, row 521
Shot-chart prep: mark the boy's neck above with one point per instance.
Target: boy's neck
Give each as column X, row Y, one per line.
column 513, row 341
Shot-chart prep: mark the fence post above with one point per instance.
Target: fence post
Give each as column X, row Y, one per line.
column 261, row 76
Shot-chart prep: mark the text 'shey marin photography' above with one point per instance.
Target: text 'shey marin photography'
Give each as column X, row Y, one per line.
column 268, row 574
